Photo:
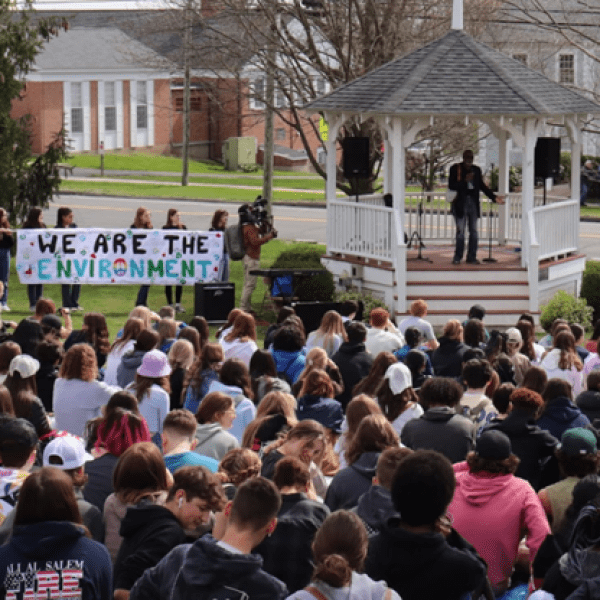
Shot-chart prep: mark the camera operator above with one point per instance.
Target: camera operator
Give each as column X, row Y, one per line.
column 256, row 231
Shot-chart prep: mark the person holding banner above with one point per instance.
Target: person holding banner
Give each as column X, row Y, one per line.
column 142, row 221
column 173, row 222
column 34, row 220
column 70, row 293
column 6, row 243
column 219, row 223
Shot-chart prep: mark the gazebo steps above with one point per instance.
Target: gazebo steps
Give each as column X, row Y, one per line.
column 493, row 318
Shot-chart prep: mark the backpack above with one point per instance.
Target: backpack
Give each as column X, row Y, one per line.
column 234, row 242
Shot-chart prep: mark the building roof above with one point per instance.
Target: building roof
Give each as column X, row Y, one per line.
column 454, row 75
column 95, row 50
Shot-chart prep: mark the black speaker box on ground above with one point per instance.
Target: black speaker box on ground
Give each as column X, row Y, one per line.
column 547, row 158
column 214, row 301
column 311, row 313
column 356, row 157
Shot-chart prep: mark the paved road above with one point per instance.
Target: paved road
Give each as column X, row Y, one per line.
column 292, row 222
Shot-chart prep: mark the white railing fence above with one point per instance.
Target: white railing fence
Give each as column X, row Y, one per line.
column 556, row 228
column 365, row 228
column 360, row 229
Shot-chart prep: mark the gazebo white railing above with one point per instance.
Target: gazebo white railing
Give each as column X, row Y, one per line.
column 365, row 228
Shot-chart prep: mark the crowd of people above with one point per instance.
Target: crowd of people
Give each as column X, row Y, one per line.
column 364, row 462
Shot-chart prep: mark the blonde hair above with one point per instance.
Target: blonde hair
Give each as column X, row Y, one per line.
column 453, row 329
column 273, row 403
column 331, row 325
column 315, row 359
column 181, row 354
column 143, row 313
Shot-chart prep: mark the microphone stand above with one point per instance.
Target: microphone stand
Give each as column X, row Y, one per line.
column 416, row 236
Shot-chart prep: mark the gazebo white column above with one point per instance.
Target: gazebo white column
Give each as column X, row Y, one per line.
column 574, row 129
column 335, row 121
column 388, row 163
column 530, row 127
column 503, row 184
column 396, row 140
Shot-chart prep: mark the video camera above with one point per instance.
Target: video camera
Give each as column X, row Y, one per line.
column 254, row 213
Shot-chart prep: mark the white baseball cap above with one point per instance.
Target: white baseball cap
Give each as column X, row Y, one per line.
column 399, row 377
column 69, row 449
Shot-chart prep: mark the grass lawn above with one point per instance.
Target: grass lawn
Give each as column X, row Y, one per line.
column 140, row 161
column 301, row 183
column 151, row 190
column 115, row 301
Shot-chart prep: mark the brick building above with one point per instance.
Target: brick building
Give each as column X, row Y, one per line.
column 107, row 87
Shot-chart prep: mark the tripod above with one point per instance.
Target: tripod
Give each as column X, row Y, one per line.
column 489, row 259
column 416, row 236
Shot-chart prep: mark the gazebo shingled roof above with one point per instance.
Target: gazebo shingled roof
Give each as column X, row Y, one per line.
column 454, row 75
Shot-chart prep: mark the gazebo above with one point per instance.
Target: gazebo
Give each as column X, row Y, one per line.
column 457, row 76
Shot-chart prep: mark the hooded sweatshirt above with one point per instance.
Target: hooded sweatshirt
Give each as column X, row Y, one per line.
column 572, row 375
column 530, row 443
column 561, row 414
column 489, row 511
column 354, row 363
column 424, row 566
column 128, row 367
column 375, row 508
column 361, row 587
column 326, row 411
column 149, row 533
column 214, row 441
column 447, row 358
column 352, row 482
column 202, row 568
column 441, row 429
column 55, row 556
column 245, row 411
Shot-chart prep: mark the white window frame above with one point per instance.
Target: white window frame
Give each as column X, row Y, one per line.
column 570, row 55
column 85, row 101
column 255, row 103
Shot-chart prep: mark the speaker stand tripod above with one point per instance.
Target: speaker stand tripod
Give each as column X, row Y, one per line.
column 489, row 259
column 416, row 237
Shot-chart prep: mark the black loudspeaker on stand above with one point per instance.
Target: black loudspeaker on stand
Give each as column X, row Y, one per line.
column 356, row 159
column 547, row 160
column 214, row 301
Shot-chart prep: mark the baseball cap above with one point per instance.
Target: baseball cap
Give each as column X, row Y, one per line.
column 24, row 365
column 51, row 321
column 399, row 377
column 493, row 445
column 578, row 441
column 69, row 449
column 514, row 335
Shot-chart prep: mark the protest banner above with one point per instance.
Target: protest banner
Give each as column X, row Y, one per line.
column 119, row 256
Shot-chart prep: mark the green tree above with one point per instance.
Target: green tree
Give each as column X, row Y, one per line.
column 25, row 180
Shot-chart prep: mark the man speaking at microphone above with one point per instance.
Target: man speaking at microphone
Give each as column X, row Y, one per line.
column 467, row 181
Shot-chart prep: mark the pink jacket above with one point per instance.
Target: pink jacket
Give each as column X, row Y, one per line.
column 490, row 510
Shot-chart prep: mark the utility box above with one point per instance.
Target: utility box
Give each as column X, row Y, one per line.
column 239, row 153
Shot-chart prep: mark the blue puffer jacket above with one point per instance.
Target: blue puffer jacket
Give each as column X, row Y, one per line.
column 290, row 363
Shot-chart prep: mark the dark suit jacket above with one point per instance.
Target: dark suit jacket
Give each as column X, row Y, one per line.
column 458, row 183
